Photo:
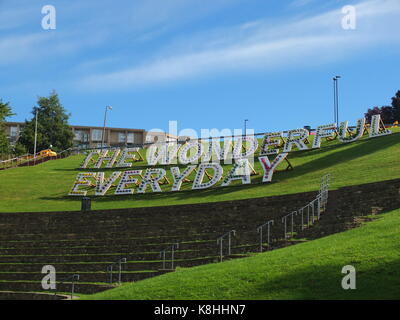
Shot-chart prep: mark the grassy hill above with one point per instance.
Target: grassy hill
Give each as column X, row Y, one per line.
column 45, row 186
column 310, row 270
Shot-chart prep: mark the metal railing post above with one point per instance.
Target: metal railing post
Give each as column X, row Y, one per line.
column 110, row 270
column 293, row 214
column 74, row 277
column 220, row 242
column 173, row 247
column 284, row 221
column 162, row 255
column 313, row 211
column 111, row 267
column 260, row 231
column 302, row 217
column 121, row 261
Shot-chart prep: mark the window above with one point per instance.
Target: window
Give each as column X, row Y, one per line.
column 85, row 137
column 13, row 132
column 97, row 135
column 78, row 135
column 121, row 137
column 131, row 137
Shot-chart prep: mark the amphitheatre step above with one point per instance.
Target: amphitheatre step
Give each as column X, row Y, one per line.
column 195, row 213
column 80, row 287
column 93, row 242
column 60, row 234
column 201, row 251
column 104, row 249
column 97, row 277
column 113, row 251
column 44, row 230
column 66, row 239
column 22, row 225
column 10, row 295
column 120, row 239
column 76, row 267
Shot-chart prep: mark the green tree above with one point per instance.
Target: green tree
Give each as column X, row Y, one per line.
column 19, row 149
column 396, row 106
column 53, row 129
column 5, row 111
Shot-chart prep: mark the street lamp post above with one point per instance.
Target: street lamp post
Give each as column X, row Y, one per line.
column 245, row 126
column 336, row 99
column 35, row 143
column 104, row 126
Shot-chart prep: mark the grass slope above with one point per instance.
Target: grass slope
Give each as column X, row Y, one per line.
column 310, row 270
column 45, row 186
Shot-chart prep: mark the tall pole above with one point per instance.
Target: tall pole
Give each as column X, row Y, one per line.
column 245, row 126
column 34, row 147
column 104, row 125
column 336, row 99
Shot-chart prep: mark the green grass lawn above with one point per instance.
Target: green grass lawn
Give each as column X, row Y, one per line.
column 45, row 186
column 310, row 270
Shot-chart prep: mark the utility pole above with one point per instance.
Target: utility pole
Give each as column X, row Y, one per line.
column 245, row 126
column 34, row 147
column 336, row 99
column 104, row 126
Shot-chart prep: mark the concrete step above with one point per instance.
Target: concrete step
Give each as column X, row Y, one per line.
column 101, row 276
column 22, row 286
column 94, row 266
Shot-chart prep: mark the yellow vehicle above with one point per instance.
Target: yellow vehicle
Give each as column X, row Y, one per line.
column 47, row 153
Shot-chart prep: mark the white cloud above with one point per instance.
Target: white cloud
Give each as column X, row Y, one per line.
column 17, row 47
column 258, row 45
column 81, row 25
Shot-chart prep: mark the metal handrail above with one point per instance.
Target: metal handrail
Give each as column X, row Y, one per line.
column 260, row 231
column 221, row 239
column 284, row 220
column 74, row 277
column 171, row 248
column 110, row 269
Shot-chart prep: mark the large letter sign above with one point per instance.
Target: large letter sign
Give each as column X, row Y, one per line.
column 82, row 181
column 198, row 180
column 194, row 158
column 375, row 123
column 107, row 156
column 241, row 144
column 296, row 137
column 357, row 135
column 270, row 167
column 240, row 171
column 180, row 177
column 323, row 132
column 126, row 180
column 200, row 159
column 148, row 180
column 272, row 139
column 102, row 185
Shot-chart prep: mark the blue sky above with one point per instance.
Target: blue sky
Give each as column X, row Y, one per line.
column 204, row 63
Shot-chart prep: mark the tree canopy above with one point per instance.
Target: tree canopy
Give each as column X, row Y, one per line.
column 5, row 112
column 53, row 130
column 389, row 114
column 396, row 106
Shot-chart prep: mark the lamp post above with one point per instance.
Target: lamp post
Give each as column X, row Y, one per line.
column 35, row 143
column 104, row 126
column 336, row 99
column 245, row 126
